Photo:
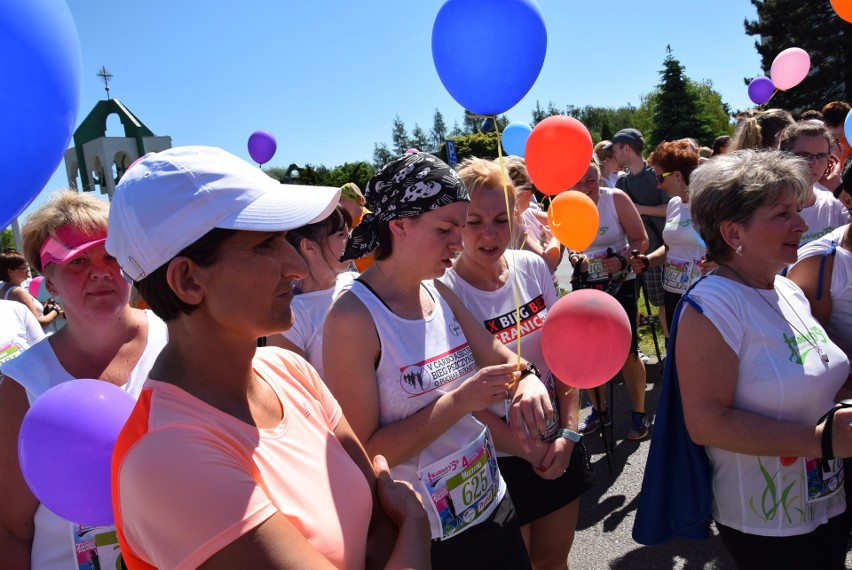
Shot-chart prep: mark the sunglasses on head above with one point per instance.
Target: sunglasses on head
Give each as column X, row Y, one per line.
column 661, row 177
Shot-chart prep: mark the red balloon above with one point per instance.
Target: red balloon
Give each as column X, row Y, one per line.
column 586, row 338
column 558, row 153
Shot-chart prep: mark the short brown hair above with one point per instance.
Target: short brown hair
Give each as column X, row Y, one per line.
column 155, row 289
column 733, row 186
column 834, row 113
column 9, row 261
column 675, row 155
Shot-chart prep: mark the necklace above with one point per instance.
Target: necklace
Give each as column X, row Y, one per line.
column 407, row 296
column 823, row 356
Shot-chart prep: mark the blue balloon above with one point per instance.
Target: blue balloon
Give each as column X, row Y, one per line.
column 847, row 126
column 514, row 138
column 39, row 97
column 488, row 53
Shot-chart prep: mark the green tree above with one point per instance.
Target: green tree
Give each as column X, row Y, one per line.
column 381, row 155
column 480, row 145
column 715, row 112
column 470, row 123
column 677, row 113
column 357, row 172
column 419, row 139
column 438, row 134
column 814, row 27
column 7, row 240
column 457, row 130
column 399, row 137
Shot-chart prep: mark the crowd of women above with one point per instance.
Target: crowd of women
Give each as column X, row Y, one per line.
column 404, row 416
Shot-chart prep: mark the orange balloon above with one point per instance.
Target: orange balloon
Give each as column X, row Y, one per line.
column 573, row 219
column 558, row 153
column 843, row 9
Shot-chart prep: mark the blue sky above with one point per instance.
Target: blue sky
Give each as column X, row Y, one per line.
column 327, row 77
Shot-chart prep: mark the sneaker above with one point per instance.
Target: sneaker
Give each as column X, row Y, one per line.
column 640, row 428
column 592, row 423
column 643, row 357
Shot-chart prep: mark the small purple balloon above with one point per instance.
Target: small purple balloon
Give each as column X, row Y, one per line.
column 760, row 90
column 65, row 448
column 262, row 146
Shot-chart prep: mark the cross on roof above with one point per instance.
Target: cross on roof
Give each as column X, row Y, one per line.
column 106, row 76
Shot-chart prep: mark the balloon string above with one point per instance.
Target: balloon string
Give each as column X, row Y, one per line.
column 771, row 96
column 505, row 184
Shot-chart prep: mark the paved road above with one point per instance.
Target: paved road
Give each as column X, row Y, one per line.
column 607, row 511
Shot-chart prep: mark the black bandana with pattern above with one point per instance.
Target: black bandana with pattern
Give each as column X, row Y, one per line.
column 407, row 186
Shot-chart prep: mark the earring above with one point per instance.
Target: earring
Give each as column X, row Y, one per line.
column 740, row 250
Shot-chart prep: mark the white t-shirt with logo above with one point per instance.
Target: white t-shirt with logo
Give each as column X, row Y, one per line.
column 683, row 258
column 19, row 330
column 611, row 235
column 781, row 376
column 839, row 325
column 824, row 216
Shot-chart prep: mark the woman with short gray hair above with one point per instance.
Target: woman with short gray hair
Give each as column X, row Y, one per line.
column 757, row 372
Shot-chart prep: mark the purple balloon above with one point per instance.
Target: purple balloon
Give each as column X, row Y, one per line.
column 262, row 146
column 760, row 90
column 65, row 448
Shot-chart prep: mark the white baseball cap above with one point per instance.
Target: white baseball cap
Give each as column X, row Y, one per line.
column 168, row 200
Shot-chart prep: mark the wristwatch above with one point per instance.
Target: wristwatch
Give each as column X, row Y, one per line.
column 531, row 369
column 569, row 434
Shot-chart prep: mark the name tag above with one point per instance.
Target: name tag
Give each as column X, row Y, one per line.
column 678, row 274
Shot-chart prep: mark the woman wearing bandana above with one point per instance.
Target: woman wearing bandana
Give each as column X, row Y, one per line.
column 413, row 370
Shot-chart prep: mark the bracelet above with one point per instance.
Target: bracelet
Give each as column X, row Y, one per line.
column 828, row 429
column 569, row 434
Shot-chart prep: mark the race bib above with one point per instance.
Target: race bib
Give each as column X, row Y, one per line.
column 96, row 547
column 11, row 350
column 678, row 274
column 596, row 269
column 825, row 478
column 462, row 487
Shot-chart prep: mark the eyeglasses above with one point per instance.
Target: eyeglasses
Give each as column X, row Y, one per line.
column 813, row 157
column 661, row 177
column 23, row 268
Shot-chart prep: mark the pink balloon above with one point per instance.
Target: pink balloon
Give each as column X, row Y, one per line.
column 35, row 283
column 411, row 151
column 586, row 338
column 789, row 68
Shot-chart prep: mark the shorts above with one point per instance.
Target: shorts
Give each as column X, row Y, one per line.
column 626, row 297
column 823, row 547
column 494, row 543
column 535, row 497
column 652, row 283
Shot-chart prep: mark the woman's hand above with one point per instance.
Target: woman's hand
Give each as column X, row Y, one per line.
column 841, row 433
column 530, row 411
column 557, row 458
column 399, row 500
column 485, row 388
column 639, row 263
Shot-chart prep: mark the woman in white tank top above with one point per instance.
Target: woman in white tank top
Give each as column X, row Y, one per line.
column 411, row 367
column 104, row 339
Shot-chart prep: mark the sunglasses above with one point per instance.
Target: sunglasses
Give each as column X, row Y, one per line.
column 813, row 157
column 661, row 177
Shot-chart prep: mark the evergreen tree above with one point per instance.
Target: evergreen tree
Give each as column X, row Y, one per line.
column 420, row 140
column 470, row 123
column 381, row 155
column 457, row 130
column 677, row 112
column 438, row 134
column 814, row 27
column 399, row 137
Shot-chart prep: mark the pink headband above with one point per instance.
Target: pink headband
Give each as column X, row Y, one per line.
column 66, row 244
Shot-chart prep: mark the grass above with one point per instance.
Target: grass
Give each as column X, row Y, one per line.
column 646, row 338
